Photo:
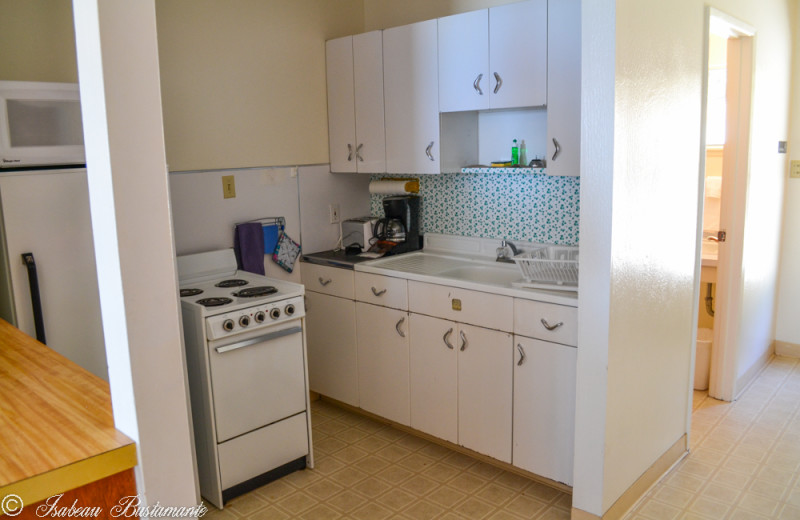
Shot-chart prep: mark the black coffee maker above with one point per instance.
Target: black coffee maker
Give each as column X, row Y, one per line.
column 400, row 226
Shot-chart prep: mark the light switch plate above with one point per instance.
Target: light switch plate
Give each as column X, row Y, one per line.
column 228, row 187
column 794, row 170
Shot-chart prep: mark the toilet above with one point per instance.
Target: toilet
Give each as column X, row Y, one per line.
column 702, row 360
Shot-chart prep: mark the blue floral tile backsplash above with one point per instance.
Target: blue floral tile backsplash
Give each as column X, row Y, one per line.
column 526, row 207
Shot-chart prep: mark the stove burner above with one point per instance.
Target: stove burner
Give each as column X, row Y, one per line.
column 213, row 302
column 234, row 282
column 190, row 292
column 253, row 292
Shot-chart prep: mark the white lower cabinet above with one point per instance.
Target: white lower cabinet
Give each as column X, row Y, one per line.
column 544, row 408
column 434, row 377
column 383, row 343
column 331, row 342
column 461, row 384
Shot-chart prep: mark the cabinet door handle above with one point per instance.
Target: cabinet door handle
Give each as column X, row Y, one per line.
column 428, row 151
column 522, row 355
column 551, row 327
column 376, row 292
column 463, row 340
column 358, row 152
column 477, row 84
column 558, row 149
column 323, row 282
column 397, row 327
column 349, row 152
column 447, row 335
column 499, row 82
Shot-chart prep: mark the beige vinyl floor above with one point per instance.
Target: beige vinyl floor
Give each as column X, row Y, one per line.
column 744, row 464
column 371, row 471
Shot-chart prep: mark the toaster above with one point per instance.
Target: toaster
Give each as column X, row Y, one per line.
column 358, row 231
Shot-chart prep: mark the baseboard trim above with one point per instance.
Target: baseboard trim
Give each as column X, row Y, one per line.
column 745, row 379
column 631, row 495
column 784, row 348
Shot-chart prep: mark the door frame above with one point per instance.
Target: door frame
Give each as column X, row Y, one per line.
column 740, row 63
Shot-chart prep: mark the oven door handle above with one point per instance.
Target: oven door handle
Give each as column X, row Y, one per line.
column 266, row 337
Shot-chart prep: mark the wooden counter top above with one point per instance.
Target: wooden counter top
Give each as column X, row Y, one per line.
column 56, row 428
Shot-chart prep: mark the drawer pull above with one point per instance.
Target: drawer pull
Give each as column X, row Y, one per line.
column 521, row 355
column 446, row 336
column 376, row 292
column 324, row 282
column 463, row 340
column 397, row 328
column 551, row 327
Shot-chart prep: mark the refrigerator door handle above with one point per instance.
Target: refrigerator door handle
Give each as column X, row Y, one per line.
column 36, row 300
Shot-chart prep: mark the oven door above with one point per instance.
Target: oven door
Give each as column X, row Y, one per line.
column 257, row 378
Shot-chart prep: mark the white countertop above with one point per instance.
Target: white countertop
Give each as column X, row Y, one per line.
column 466, row 271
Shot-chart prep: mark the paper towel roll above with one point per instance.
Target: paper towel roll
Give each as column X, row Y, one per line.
column 394, row 187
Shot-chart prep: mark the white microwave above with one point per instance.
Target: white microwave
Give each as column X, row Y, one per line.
column 40, row 124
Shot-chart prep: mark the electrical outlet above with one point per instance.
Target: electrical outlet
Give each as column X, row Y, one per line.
column 333, row 210
column 228, row 187
column 794, row 171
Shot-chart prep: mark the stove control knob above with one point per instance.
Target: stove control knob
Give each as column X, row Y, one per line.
column 244, row 321
column 275, row 313
column 289, row 310
column 260, row 316
column 228, row 325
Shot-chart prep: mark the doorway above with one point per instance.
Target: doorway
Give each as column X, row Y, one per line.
column 723, row 194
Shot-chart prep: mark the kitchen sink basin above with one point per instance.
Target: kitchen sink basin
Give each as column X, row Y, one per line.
column 495, row 275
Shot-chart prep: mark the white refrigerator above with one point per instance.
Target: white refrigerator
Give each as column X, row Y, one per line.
column 46, row 212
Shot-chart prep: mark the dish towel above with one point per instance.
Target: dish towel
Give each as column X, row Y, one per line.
column 248, row 244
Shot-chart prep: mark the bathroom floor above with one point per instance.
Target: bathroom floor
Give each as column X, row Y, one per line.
column 367, row 470
column 744, row 456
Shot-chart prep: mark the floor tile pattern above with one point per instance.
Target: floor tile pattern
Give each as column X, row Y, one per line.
column 367, row 470
column 744, row 461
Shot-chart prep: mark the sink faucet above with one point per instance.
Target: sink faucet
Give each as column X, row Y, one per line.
column 503, row 254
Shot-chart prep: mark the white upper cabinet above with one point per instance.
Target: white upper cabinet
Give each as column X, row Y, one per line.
column 495, row 58
column 564, row 88
column 464, row 61
column 411, row 94
column 356, row 132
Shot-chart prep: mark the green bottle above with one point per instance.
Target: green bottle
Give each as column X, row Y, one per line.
column 514, row 153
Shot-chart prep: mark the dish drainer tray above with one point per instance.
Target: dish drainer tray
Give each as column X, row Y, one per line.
column 553, row 266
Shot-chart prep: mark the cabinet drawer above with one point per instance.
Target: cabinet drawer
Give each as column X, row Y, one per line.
column 477, row 308
column 382, row 290
column 328, row 280
column 547, row 321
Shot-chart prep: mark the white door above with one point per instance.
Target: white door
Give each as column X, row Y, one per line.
column 383, row 361
column 331, row 345
column 464, row 61
column 341, row 104
column 518, row 54
column 564, row 88
column 485, row 391
column 544, row 408
column 434, row 376
column 370, row 152
column 411, row 95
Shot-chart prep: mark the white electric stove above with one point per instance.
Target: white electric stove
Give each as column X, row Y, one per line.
column 247, row 366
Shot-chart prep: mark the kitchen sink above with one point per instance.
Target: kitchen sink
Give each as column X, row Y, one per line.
column 495, row 275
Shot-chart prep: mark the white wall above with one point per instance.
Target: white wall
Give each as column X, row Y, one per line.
column 654, row 189
column 128, row 194
column 204, row 220
column 787, row 327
